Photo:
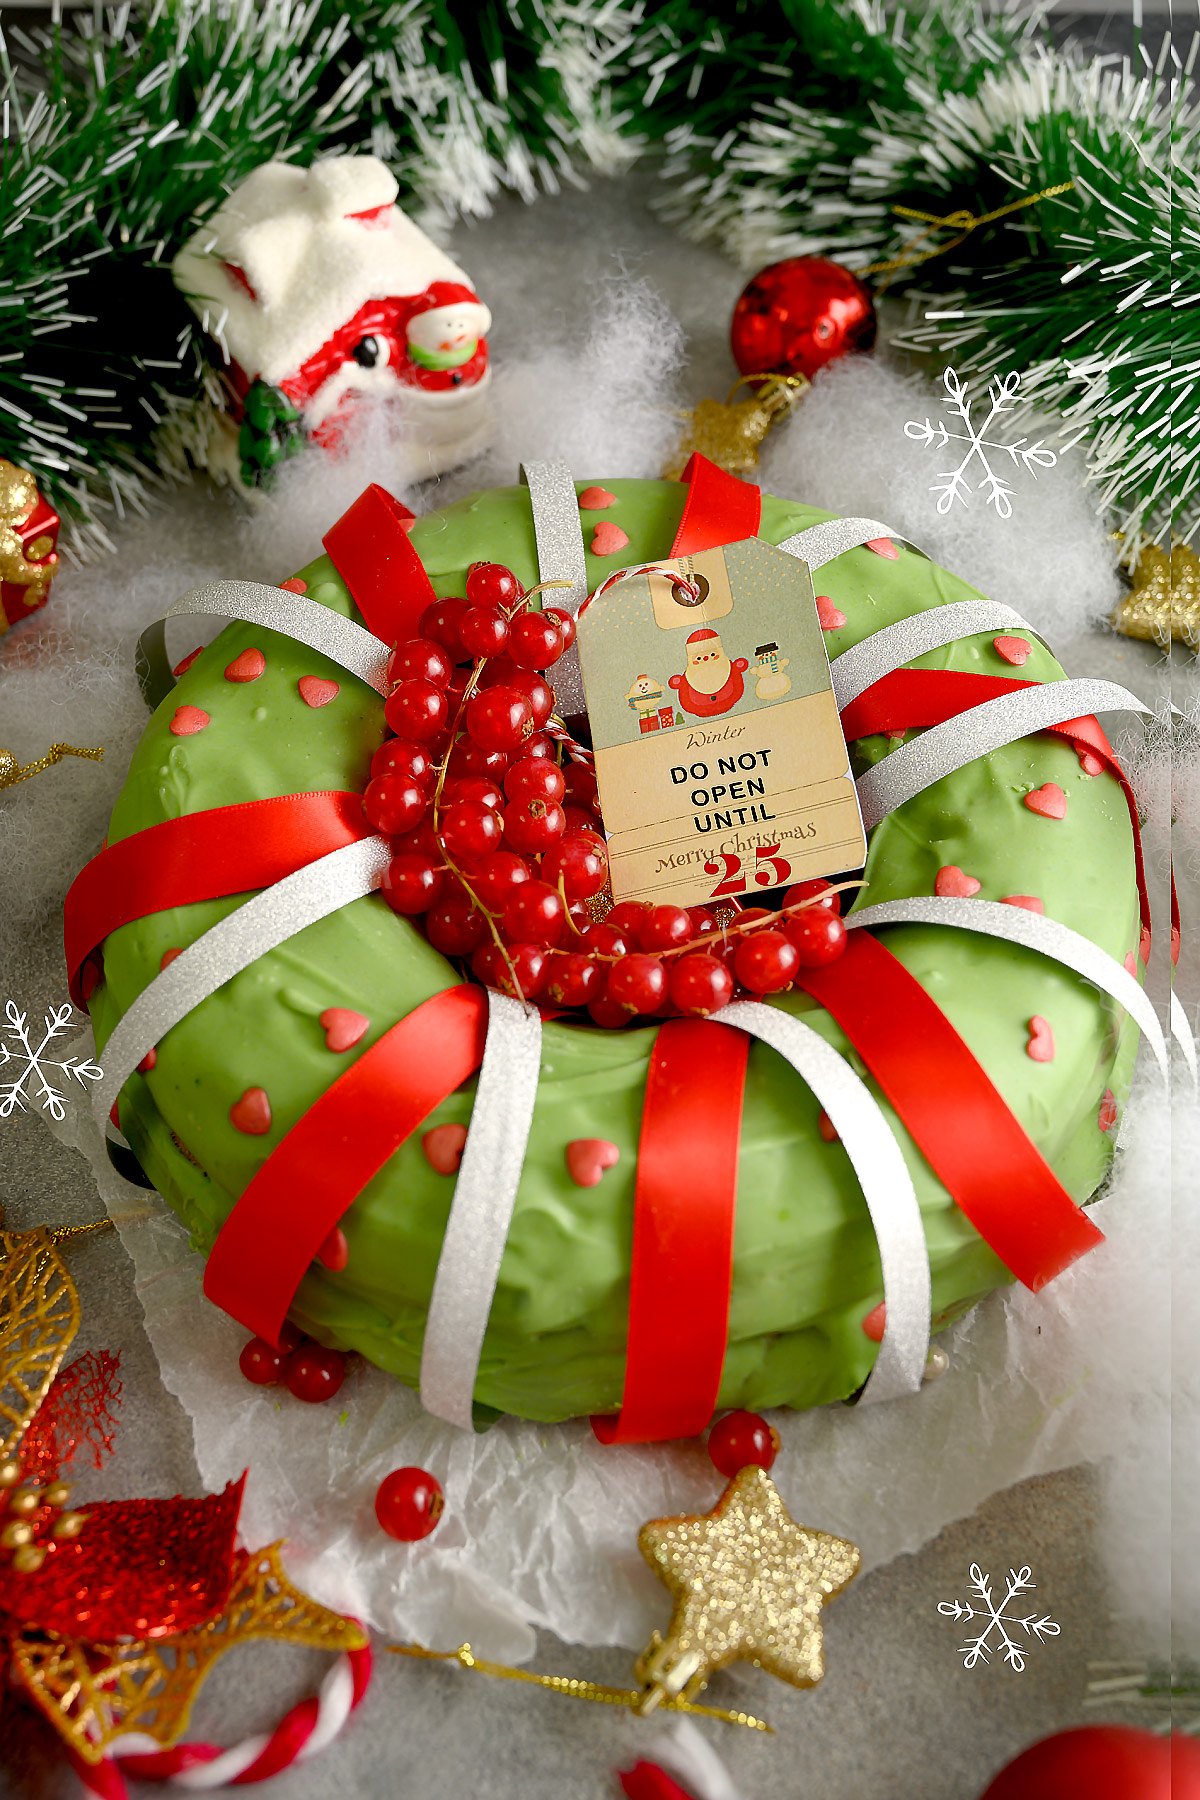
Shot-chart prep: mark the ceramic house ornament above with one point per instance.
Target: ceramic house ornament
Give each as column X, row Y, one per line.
column 319, row 295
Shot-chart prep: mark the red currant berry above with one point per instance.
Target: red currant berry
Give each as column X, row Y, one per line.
column 401, row 756
column 606, row 940
column 581, row 786
column 565, row 622
column 473, row 787
column 411, row 883
column 540, row 697
column 606, row 1012
column 535, row 778
column 421, row 841
column 484, row 631
column 627, row 918
column 765, row 962
column 742, row 1440
column 804, row 890
column 416, row 709
column 393, row 804
column 538, row 747
column 470, row 829
column 748, row 913
column 420, row 659
column 578, row 820
column 579, row 863
column 700, row 985
column 518, row 965
column 818, row 936
column 534, row 914
column 408, row 1504
column 314, row 1373
column 491, row 584
column 455, row 927
column 441, row 622
column 637, row 983
column 665, row 928
column 531, row 826
column 495, row 878
column 574, row 979
column 468, row 758
column 535, row 641
column 262, row 1363
column 499, row 718
column 702, row 919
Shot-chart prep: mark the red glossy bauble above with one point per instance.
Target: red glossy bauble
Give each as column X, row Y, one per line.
column 408, row 1504
column 741, row 1440
column 1109, row 1762
column 798, row 315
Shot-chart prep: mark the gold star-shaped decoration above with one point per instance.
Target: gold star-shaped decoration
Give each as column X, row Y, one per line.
column 1164, row 601
column 729, row 432
column 749, row 1585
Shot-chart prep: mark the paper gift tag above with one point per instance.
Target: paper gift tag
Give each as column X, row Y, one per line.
column 719, row 753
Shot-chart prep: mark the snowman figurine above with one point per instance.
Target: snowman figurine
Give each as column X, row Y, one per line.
column 711, row 683
column 321, row 296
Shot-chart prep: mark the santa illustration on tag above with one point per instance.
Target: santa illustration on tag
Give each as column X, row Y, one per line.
column 320, row 297
column 711, row 683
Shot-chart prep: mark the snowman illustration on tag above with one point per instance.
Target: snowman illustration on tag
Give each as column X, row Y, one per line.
column 711, row 683
column 770, row 682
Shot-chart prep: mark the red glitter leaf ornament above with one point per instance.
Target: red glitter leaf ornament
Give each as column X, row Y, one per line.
column 76, row 1415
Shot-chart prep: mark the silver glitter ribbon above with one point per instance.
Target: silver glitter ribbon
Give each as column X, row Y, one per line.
column 819, row 544
column 558, row 530
column 481, row 1210
column 885, row 1181
column 890, row 648
column 1033, row 931
column 353, row 648
column 269, row 919
column 974, row 733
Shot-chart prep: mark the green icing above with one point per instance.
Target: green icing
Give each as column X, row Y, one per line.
column 806, row 1268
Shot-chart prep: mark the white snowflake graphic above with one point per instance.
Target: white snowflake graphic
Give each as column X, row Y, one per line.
column 34, row 1062
column 954, row 484
column 999, row 1620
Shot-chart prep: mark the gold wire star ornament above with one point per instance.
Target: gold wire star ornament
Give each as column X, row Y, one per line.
column 749, row 1584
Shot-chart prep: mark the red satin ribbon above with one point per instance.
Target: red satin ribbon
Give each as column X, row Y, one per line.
column 909, row 699
column 719, row 509
column 684, row 1207
column 961, row 1124
column 203, row 856
column 315, row 1173
column 371, row 550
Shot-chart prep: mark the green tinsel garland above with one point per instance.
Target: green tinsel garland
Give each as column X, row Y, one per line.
column 782, row 126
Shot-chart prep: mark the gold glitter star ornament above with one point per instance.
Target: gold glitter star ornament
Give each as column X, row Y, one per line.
column 749, row 1585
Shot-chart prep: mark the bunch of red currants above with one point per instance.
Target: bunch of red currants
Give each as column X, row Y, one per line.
column 498, row 847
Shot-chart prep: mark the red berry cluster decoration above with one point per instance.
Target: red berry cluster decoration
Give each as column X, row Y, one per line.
column 307, row 1369
column 498, row 844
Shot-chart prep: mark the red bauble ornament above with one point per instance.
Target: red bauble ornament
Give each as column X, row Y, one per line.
column 409, row 1503
column 798, row 315
column 739, row 1440
column 1111, row 1762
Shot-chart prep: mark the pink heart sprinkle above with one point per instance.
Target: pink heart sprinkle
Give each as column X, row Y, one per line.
column 832, row 619
column 187, row 720
column 252, row 1113
column 951, row 883
column 1091, row 765
column 294, row 586
column 1048, row 801
column 183, row 667
column 1107, row 1116
column 1013, row 649
column 168, row 957
column 1144, row 944
column 334, row 1253
column 1131, row 964
column 874, row 1323
column 595, row 499
column 443, row 1147
column 883, row 547
column 587, row 1159
column 827, row 1128
column 148, row 1061
column 1030, row 902
column 1041, row 1040
column 608, row 538
column 316, row 692
column 246, row 667
column 342, row 1027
